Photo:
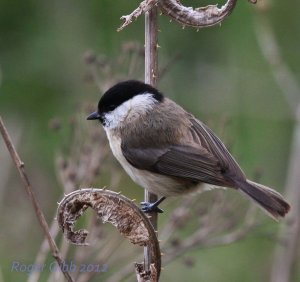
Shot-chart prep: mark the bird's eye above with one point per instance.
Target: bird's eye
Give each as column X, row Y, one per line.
column 111, row 107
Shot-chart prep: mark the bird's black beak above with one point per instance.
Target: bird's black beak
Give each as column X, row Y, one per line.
column 94, row 115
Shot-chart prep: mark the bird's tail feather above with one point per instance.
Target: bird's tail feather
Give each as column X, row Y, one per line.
column 268, row 199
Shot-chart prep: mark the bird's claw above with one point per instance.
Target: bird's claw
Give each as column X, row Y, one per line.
column 147, row 207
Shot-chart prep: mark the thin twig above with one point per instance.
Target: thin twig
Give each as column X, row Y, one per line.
column 21, row 168
column 34, row 276
column 145, row 6
column 205, row 237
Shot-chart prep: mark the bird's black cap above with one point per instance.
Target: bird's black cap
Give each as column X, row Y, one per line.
column 123, row 91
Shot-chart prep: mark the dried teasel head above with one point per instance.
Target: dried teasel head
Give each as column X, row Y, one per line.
column 187, row 16
column 199, row 17
column 111, row 207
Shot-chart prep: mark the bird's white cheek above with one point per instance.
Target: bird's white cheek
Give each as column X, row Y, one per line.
column 131, row 109
column 115, row 118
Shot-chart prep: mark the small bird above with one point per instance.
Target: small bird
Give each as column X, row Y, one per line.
column 168, row 151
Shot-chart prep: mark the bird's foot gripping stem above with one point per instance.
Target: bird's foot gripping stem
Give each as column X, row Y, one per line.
column 147, row 207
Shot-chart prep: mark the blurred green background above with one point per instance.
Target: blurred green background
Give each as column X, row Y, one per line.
column 221, row 73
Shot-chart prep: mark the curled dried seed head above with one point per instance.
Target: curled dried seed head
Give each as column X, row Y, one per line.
column 111, row 207
column 199, row 17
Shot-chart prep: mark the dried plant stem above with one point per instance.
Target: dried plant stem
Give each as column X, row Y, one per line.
column 21, row 168
column 151, row 76
column 151, row 44
column 284, row 262
column 34, row 276
column 283, row 268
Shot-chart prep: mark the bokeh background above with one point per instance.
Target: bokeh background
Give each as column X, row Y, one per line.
column 219, row 73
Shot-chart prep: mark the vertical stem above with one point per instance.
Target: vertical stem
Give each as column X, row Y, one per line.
column 151, row 73
column 151, row 39
column 284, row 263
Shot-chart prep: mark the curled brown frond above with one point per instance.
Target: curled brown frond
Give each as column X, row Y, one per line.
column 187, row 16
column 111, row 207
column 199, row 17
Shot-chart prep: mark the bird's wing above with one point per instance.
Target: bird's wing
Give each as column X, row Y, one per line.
column 186, row 162
column 208, row 140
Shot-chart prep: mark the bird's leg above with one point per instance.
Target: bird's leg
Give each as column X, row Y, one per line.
column 152, row 207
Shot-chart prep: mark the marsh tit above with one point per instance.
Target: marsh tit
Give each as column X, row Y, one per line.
column 168, row 151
